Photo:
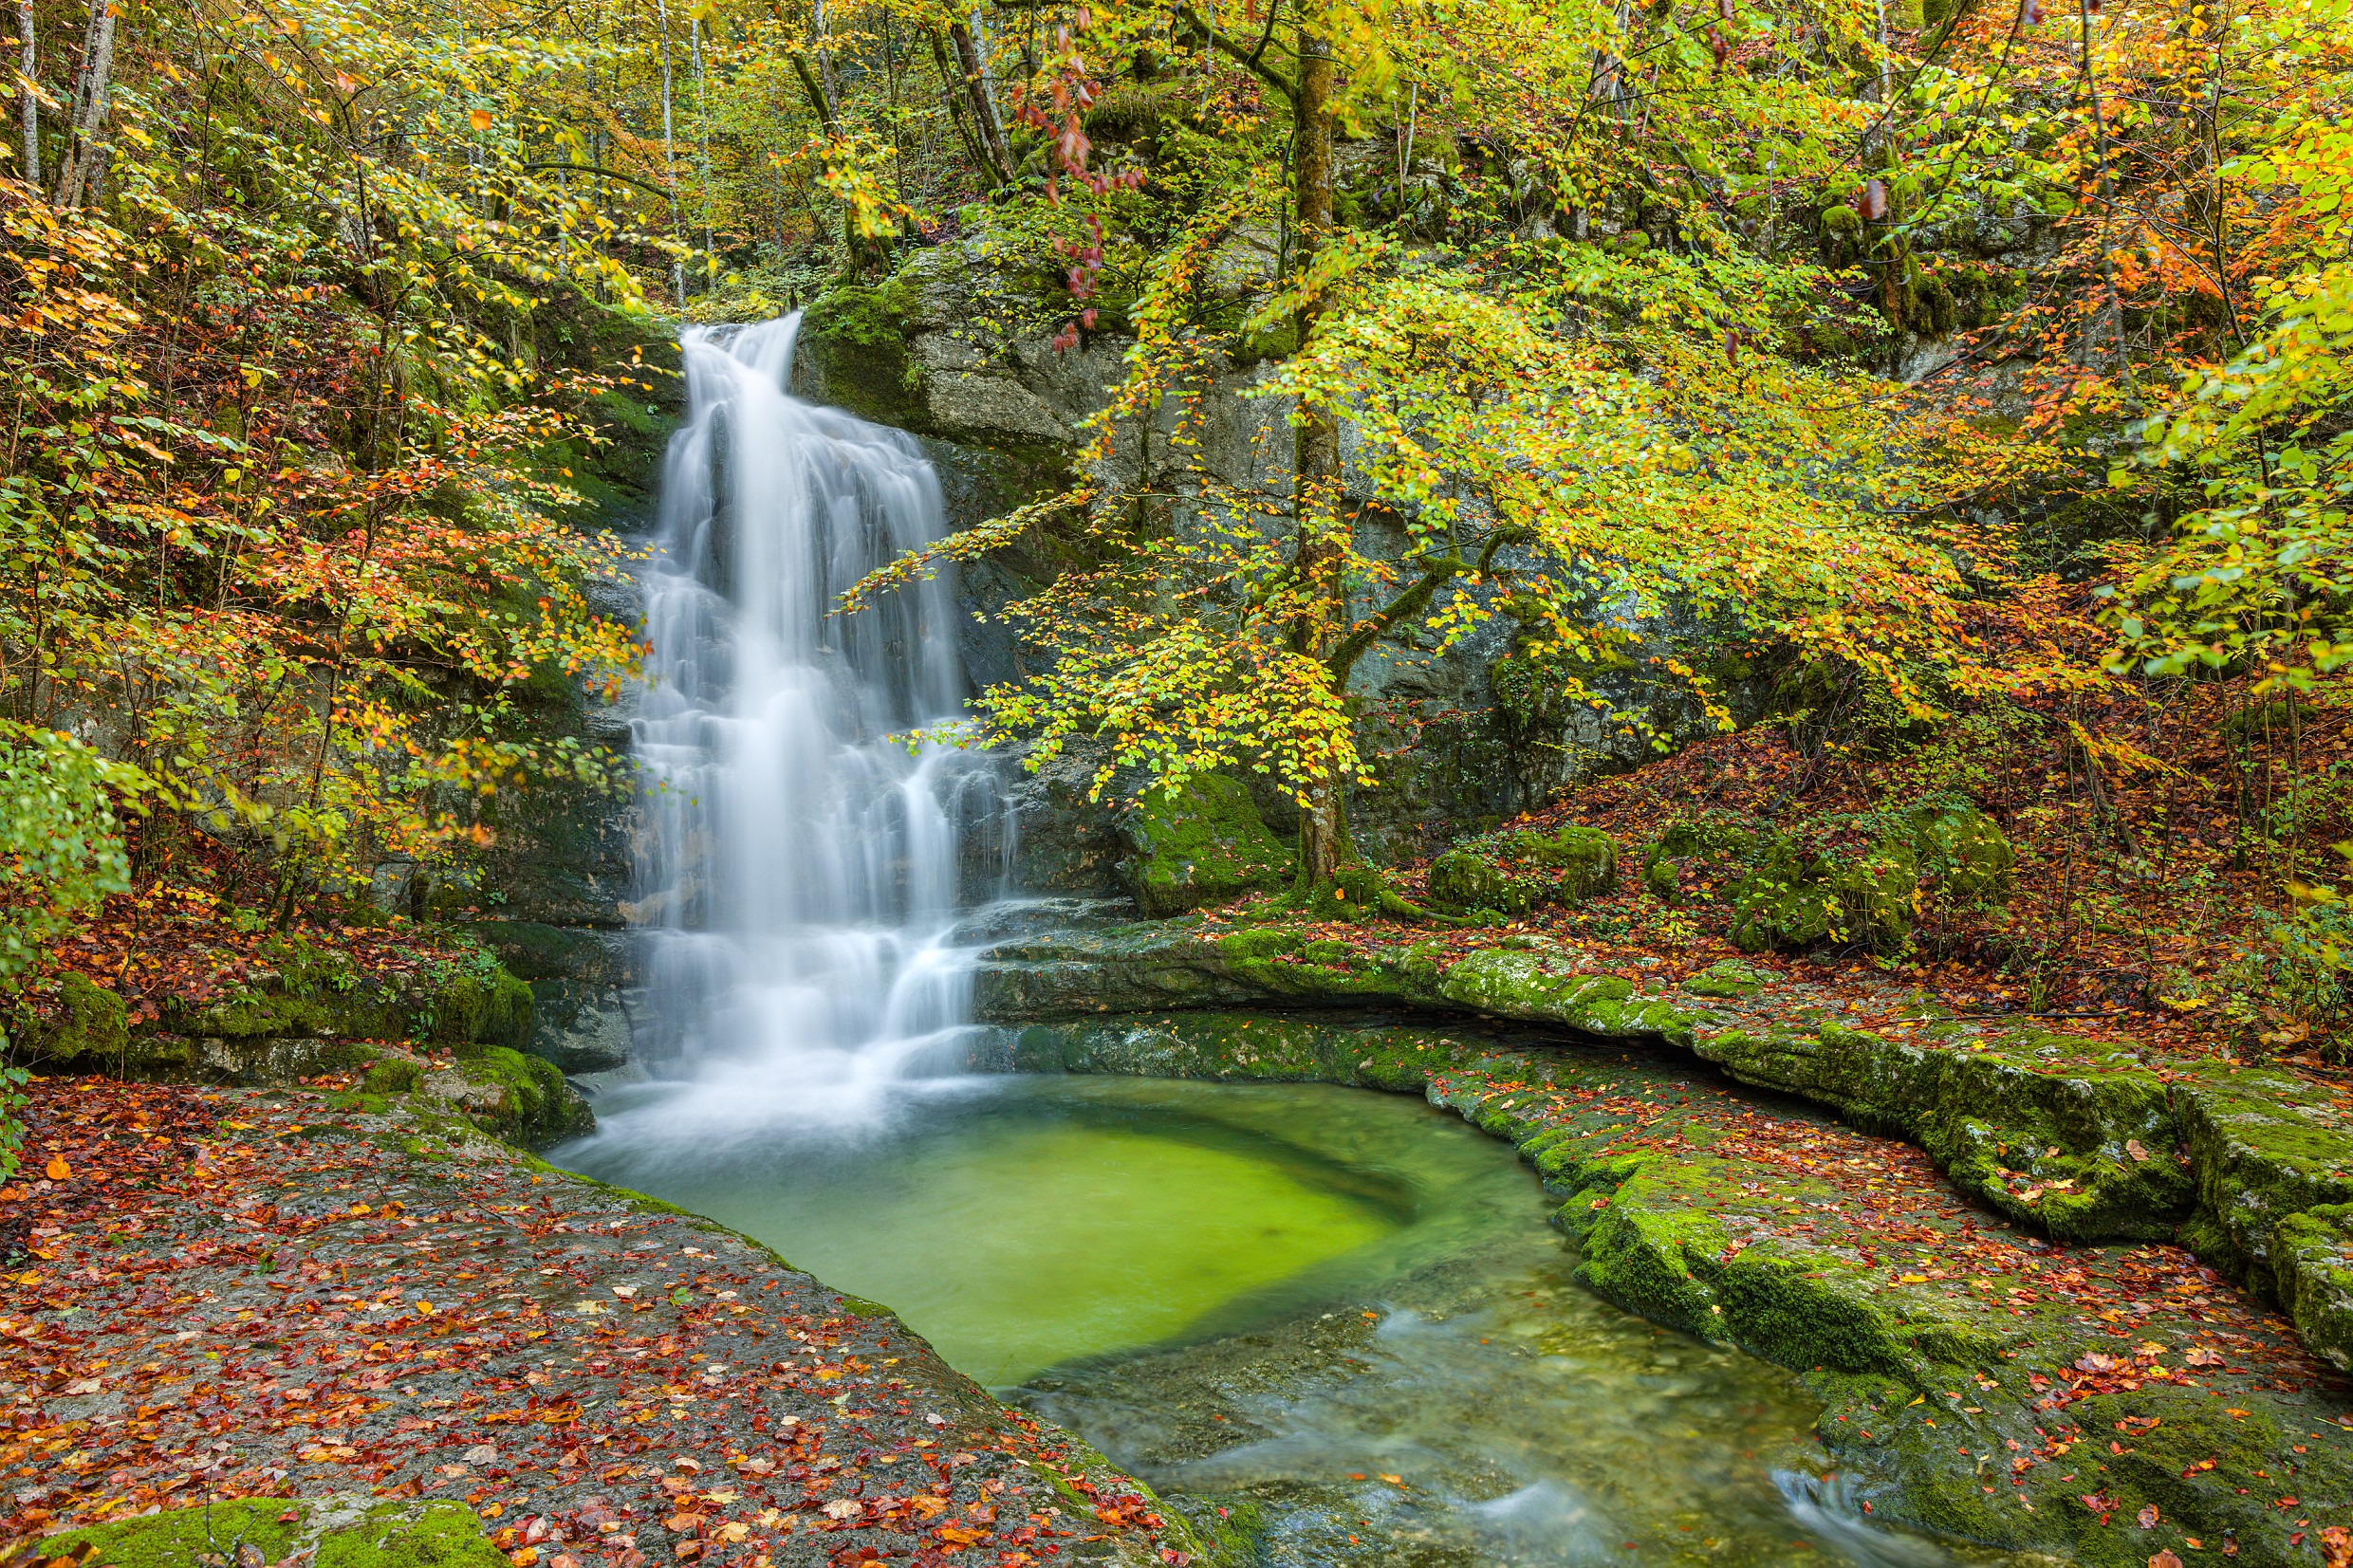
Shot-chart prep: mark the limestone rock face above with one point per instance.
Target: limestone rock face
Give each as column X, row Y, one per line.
column 959, row 352
column 581, row 980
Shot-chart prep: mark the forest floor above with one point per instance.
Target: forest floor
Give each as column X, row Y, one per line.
column 225, row 1294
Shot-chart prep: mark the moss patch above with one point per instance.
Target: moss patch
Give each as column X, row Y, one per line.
column 1203, row 843
column 344, row 1533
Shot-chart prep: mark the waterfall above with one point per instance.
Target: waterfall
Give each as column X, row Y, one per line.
column 798, row 863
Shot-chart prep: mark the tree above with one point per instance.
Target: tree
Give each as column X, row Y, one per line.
column 1582, row 434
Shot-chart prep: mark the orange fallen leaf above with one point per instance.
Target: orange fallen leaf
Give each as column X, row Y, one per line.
column 57, row 1170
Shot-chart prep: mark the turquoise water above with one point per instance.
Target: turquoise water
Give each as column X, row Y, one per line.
column 1340, row 1312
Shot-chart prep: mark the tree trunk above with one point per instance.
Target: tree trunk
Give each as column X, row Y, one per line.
column 1322, row 554
column 976, row 87
column 84, row 155
column 27, row 63
column 669, row 176
column 958, row 110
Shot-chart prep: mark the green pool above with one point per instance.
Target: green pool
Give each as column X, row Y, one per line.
column 1336, row 1314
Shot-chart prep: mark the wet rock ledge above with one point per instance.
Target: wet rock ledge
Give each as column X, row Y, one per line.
column 2009, row 1261
column 355, row 1326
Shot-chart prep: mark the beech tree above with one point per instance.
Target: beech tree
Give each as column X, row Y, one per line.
column 1591, row 434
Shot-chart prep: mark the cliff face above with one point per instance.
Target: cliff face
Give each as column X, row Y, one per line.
column 553, row 897
column 960, row 354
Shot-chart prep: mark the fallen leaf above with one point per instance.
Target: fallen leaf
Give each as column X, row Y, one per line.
column 2147, row 1516
column 842, row 1507
column 57, row 1170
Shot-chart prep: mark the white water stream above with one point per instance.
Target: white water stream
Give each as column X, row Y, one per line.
column 799, row 862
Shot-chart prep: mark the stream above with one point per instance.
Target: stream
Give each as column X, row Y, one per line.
column 1339, row 1308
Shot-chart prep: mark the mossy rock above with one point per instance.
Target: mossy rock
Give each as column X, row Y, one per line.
column 1512, row 872
column 1462, row 879
column 88, row 1025
column 1779, row 902
column 1962, row 853
column 856, row 336
column 1357, row 892
column 2313, row 1276
column 1711, row 838
column 309, row 993
column 1728, row 977
column 1203, row 844
column 344, row 1533
column 1585, row 857
column 1789, row 898
column 2266, row 1146
column 494, row 1009
column 522, row 1099
column 2086, row 1152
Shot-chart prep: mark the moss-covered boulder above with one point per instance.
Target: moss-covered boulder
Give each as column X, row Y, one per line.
column 1585, row 859
column 2265, row 1145
column 522, row 1099
column 84, row 1025
column 354, row 1532
column 1512, row 872
column 300, row 990
column 1726, row 978
column 1791, row 894
column 1960, row 853
column 1200, row 844
column 2087, row 1152
column 1463, row 879
column 2312, row 1277
column 1781, row 899
column 854, row 337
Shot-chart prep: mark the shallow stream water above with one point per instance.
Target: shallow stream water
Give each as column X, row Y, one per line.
column 1341, row 1308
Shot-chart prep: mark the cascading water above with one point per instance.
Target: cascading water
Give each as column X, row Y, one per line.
column 799, row 862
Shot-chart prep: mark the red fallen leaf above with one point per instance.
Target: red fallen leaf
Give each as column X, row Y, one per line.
column 2097, row 1503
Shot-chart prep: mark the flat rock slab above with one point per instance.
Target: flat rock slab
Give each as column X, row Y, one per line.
column 243, row 1293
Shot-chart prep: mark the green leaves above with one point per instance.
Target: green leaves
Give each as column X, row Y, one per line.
column 61, row 848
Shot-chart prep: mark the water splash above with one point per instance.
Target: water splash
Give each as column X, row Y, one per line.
column 1830, row 1508
column 799, row 862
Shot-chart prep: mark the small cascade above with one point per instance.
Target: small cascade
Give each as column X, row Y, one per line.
column 798, row 863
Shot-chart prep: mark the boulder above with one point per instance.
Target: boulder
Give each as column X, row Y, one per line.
column 1201, row 843
column 1512, row 872
column 1789, row 896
